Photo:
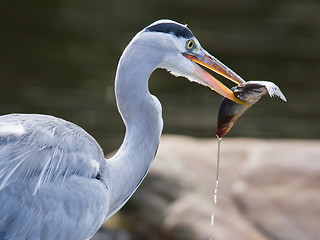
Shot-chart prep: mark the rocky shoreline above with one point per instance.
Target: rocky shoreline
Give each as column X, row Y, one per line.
column 268, row 189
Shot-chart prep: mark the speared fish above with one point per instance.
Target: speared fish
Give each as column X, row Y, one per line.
column 250, row 92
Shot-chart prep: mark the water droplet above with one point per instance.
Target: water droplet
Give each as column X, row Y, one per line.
column 212, row 219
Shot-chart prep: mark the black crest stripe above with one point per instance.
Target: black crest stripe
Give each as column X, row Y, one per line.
column 176, row 29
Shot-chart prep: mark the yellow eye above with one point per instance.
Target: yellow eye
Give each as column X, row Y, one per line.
column 190, row 44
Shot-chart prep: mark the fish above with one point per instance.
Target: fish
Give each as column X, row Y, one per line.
column 249, row 92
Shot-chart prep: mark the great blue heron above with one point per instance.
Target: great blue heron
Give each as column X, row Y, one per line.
column 54, row 180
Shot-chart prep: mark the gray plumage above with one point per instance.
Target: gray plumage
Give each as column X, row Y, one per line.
column 47, row 165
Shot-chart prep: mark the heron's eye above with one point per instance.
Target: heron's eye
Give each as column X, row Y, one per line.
column 190, row 44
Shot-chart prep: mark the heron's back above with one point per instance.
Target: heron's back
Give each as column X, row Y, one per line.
column 50, row 186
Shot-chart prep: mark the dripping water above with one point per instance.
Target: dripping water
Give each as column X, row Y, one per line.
column 217, row 172
column 215, row 195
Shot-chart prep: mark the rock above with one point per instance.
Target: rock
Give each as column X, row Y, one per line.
column 103, row 234
column 280, row 190
column 268, row 189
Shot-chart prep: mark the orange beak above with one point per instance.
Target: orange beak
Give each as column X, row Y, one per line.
column 210, row 62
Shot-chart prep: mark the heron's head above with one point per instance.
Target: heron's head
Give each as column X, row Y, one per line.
column 181, row 53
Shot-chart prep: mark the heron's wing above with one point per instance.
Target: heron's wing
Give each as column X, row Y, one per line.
column 43, row 148
column 68, row 210
column 49, row 175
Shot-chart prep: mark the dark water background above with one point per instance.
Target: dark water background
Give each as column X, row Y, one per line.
column 59, row 58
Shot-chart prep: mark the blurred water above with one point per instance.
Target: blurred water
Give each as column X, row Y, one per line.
column 59, row 58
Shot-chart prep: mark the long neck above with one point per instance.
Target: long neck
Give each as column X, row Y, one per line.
column 141, row 113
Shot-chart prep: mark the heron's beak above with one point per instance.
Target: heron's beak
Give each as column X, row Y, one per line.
column 205, row 59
